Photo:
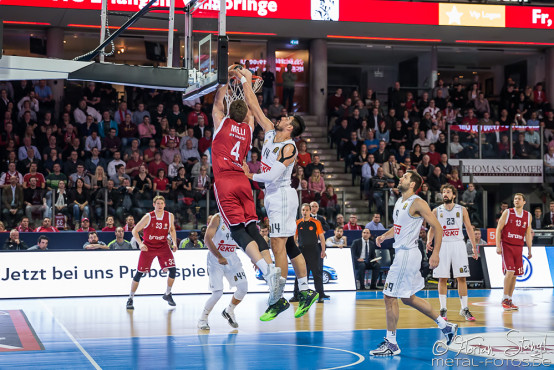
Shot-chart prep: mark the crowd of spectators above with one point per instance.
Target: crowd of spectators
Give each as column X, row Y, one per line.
column 379, row 145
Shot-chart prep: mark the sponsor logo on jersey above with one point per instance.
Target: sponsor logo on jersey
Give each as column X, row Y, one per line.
column 405, row 206
column 441, row 215
column 150, row 237
column 397, row 229
column 458, row 214
column 451, row 232
column 515, row 236
column 276, row 150
column 264, row 167
column 226, row 247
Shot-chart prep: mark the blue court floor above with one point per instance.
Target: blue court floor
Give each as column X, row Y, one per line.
column 100, row 333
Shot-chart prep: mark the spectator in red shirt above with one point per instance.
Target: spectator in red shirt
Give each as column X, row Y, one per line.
column 434, row 157
column 157, row 164
column 128, row 130
column 151, row 151
column 109, row 224
column 205, row 142
column 85, row 226
column 304, row 158
column 171, row 136
column 470, row 119
column 308, row 196
column 41, row 182
column 133, row 164
column 161, row 182
column 192, row 118
column 24, row 226
column 46, row 227
column 352, row 223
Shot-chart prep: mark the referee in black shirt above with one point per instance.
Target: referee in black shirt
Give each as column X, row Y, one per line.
column 308, row 230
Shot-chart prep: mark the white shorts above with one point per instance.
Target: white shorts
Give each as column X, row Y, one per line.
column 232, row 271
column 282, row 208
column 404, row 279
column 452, row 254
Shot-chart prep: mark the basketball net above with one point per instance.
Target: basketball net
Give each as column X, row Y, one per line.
column 236, row 92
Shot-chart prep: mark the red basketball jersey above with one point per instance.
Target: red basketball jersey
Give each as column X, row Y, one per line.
column 514, row 231
column 230, row 146
column 155, row 233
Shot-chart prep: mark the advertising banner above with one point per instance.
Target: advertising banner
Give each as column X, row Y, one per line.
column 536, row 271
column 494, row 171
column 106, row 273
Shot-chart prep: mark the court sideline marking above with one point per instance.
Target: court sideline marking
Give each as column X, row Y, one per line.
column 83, row 351
column 360, row 357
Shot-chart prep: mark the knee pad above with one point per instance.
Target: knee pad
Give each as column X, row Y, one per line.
column 172, row 272
column 254, row 232
column 241, row 291
column 138, row 276
column 292, row 249
column 239, row 234
column 217, row 294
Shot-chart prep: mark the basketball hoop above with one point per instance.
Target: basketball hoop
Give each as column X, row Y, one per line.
column 236, row 92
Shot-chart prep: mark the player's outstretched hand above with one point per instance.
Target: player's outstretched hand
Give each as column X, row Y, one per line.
column 475, row 253
column 222, row 260
column 143, row 247
column 429, row 246
column 379, row 240
column 434, row 261
column 498, row 250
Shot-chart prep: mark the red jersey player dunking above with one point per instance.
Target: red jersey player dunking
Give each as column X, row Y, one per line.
column 156, row 225
column 231, row 142
column 514, row 225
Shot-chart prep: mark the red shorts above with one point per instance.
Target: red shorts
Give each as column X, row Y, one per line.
column 512, row 259
column 233, row 194
column 165, row 259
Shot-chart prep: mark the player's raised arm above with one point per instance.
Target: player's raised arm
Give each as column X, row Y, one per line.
column 210, row 232
column 144, row 221
column 470, row 232
column 422, row 208
column 245, row 77
column 431, row 234
column 499, row 228
column 218, row 109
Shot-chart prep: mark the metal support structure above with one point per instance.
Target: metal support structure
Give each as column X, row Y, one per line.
column 511, row 143
column 387, row 196
column 188, row 40
column 479, row 132
column 103, row 19
column 91, row 55
column 170, row 50
column 105, row 205
column 208, row 206
column 222, row 19
column 448, row 145
column 542, row 142
column 485, row 208
column 343, row 205
column 53, row 214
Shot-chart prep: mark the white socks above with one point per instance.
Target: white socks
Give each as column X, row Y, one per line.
column 168, row 290
column 442, row 300
column 440, row 322
column 205, row 314
column 391, row 336
column 303, row 283
column 231, row 308
column 263, row 266
column 463, row 301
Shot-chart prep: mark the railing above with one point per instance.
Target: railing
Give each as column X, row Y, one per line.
column 495, row 141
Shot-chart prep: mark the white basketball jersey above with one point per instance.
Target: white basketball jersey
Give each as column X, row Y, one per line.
column 452, row 223
column 270, row 153
column 223, row 240
column 406, row 226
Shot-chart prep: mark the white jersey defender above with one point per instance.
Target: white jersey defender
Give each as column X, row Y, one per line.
column 281, row 201
column 404, row 278
column 453, row 250
column 233, row 271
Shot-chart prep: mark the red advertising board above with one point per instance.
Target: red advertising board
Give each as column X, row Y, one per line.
column 368, row 11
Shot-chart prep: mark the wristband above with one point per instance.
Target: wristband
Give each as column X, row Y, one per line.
column 243, row 80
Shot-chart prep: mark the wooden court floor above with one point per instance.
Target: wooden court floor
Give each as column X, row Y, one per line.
column 98, row 332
